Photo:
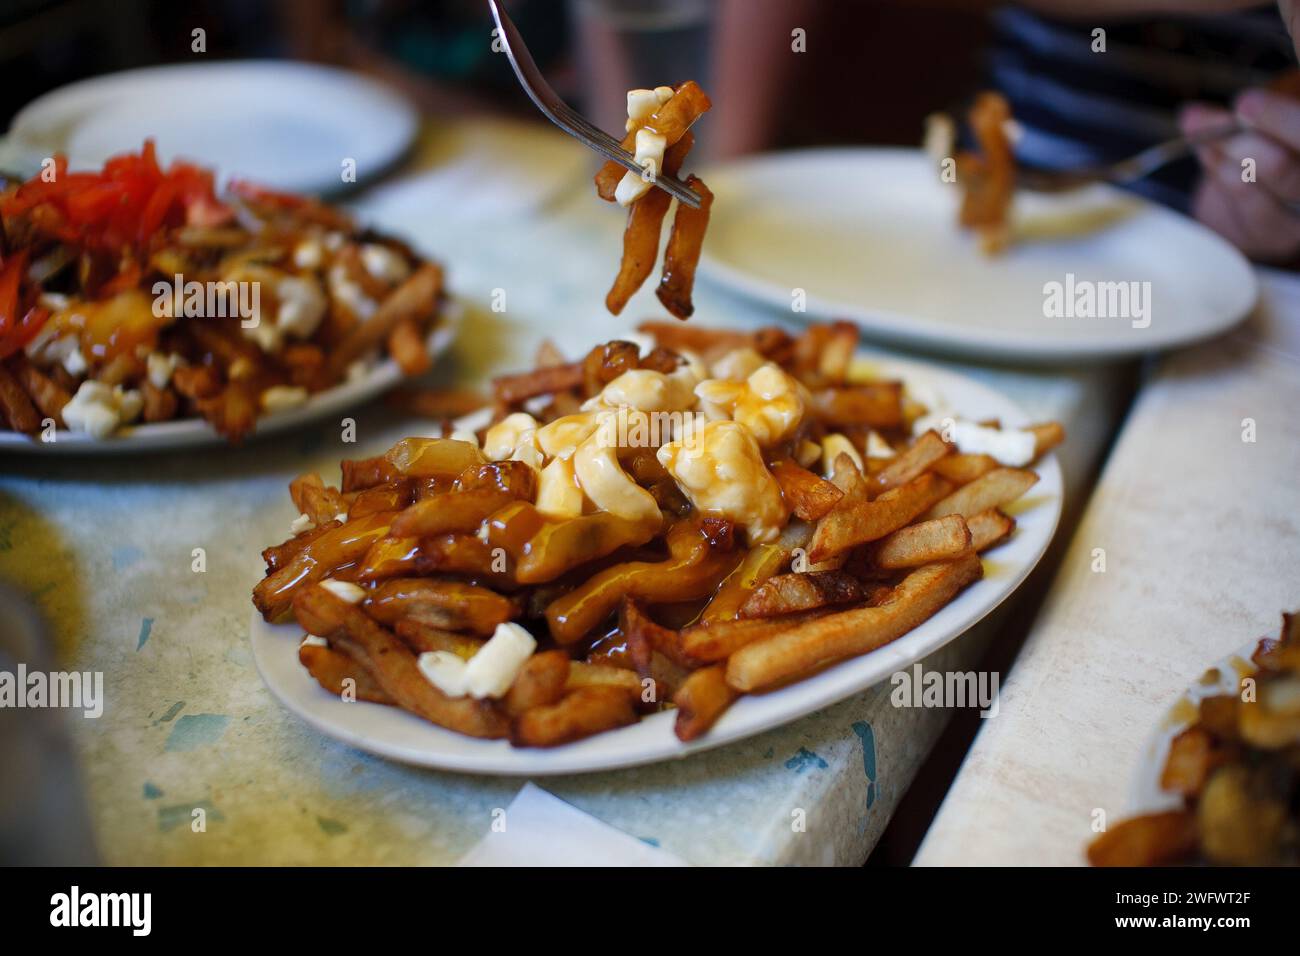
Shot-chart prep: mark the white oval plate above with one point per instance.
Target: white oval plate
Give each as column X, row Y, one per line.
column 390, row 732
column 284, row 124
column 195, row 432
column 871, row 235
column 1145, row 795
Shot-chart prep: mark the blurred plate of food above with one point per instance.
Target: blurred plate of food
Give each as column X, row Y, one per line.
column 1215, row 782
column 402, row 572
column 289, row 125
column 143, row 307
column 872, row 235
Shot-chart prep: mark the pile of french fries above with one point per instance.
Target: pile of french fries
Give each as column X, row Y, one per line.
column 1237, row 770
column 89, row 287
column 645, row 217
column 679, row 610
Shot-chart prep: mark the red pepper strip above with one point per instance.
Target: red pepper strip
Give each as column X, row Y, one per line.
column 11, row 273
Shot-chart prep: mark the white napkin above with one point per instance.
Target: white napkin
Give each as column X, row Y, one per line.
column 540, row 829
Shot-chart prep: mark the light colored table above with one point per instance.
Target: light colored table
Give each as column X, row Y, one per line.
column 105, row 545
column 1202, row 543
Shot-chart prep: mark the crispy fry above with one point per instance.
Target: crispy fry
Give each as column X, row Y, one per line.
column 513, row 389
column 423, row 638
column 682, row 256
column 540, row 683
column 315, row 499
column 416, row 300
column 641, row 237
column 453, row 511
column 790, row 593
column 441, row 603
column 334, row 549
column 759, row 564
column 406, row 348
column 923, row 455
column 47, row 395
column 279, row 555
column 709, row 643
column 853, row 522
column 673, row 119
column 990, row 528
column 437, row 402
column 582, row 712
column 363, row 473
column 333, row 669
column 1152, row 840
column 875, row 405
column 807, row 495
column 603, row 675
column 806, row 647
column 939, row 539
column 999, row 487
column 1046, row 437
column 17, row 406
column 1191, row 758
column 701, row 701
column 962, row 469
column 394, row 668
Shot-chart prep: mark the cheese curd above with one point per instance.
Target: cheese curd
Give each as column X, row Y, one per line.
column 98, row 410
column 609, row 487
column 1009, row 446
column 647, row 390
column 562, row 437
column 834, row 445
column 722, row 473
column 281, row 398
column 738, row 364
column 769, row 403
column 649, row 144
column 489, row 673
column 344, row 590
column 514, row 438
column 558, row 493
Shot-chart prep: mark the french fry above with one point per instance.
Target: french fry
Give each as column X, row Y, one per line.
column 603, row 675
column 990, row 528
column 853, row 522
column 759, row 564
column 808, row 496
column 16, row 404
column 333, row 669
column 47, row 395
column 406, row 347
column 416, row 300
column 710, row 643
column 963, row 469
column 875, row 405
column 540, row 683
column 362, row 473
column 791, row 593
column 424, row 638
column 441, row 403
column 513, row 389
column 641, row 237
column 923, row 455
column 1046, row 437
column 775, row 660
column 701, row 700
column 939, row 539
column 315, row 499
column 685, row 242
column 999, row 487
column 453, row 511
column 1191, row 759
column 394, row 668
column 581, row 713
column 1152, row 840
column 279, row 555
column 644, row 638
column 442, row 603
column 314, row 562
column 673, row 119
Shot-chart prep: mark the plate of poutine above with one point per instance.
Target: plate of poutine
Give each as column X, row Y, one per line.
column 862, row 233
column 140, row 308
column 554, row 588
column 1216, row 781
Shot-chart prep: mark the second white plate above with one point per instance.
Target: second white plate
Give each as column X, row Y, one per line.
column 871, row 235
column 393, row 733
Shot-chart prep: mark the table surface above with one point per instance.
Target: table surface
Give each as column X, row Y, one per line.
column 106, row 547
column 1202, row 554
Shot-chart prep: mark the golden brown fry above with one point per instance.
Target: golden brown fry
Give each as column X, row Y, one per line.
column 776, row 660
column 1192, row 756
column 999, row 487
column 416, row 299
column 582, row 712
column 644, row 638
column 513, row 389
column 406, row 348
column 423, row 638
column 453, row 511
column 939, row 539
column 334, row 549
column 807, row 495
column 791, row 593
column 440, row 403
column 990, row 528
column 48, row 396
column 315, row 499
column 674, row 118
column 685, row 242
column 641, row 236
column 582, row 674
column 442, row 603
column 853, row 522
column 760, row 563
column 923, row 455
column 709, row 643
column 962, row 469
column 875, row 405
column 16, row 404
column 1046, row 437
column 540, row 683
column 701, row 700
column 332, row 669
column 1156, row 839
column 279, row 555
column 433, row 457
column 988, row 177
column 394, row 667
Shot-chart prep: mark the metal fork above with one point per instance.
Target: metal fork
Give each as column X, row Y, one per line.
column 559, row 112
column 1127, row 170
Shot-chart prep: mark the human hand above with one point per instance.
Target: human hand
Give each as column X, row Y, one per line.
column 1250, row 188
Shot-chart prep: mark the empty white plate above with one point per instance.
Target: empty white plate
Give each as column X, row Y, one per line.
column 871, row 235
column 281, row 123
column 394, row 733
